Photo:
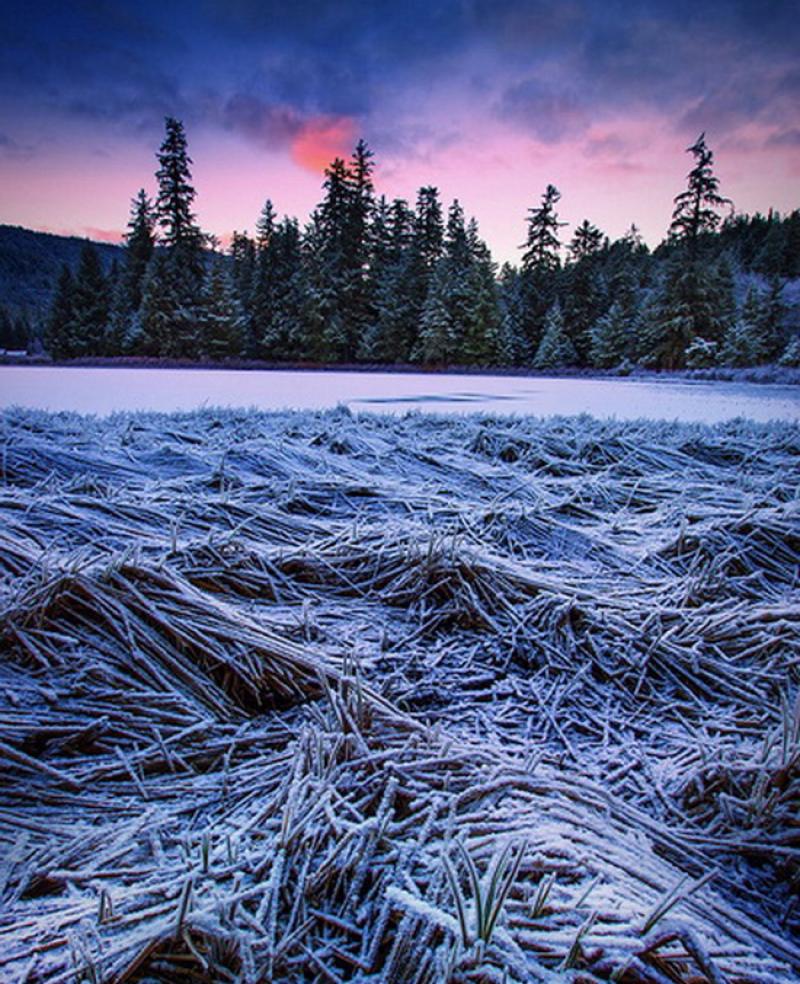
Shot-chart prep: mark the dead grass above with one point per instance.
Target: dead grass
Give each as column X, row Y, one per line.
column 259, row 673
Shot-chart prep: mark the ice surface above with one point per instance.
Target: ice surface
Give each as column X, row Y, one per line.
column 105, row 390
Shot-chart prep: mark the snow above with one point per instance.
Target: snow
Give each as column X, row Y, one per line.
column 106, row 390
column 260, row 671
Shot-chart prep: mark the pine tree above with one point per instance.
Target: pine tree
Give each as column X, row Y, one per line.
column 6, row 330
column 392, row 332
column 791, row 265
column 695, row 299
column 771, row 259
column 358, row 247
column 220, row 318
column 167, row 328
column 701, row 354
column 428, row 227
column 481, row 344
column 22, row 335
column 755, row 335
column 265, row 226
column 696, row 209
column 277, row 302
column 425, row 251
column 119, row 330
column 611, row 338
column 460, row 318
column 140, row 243
column 587, row 241
column 512, row 343
column 175, row 191
column 90, row 304
column 555, row 350
column 585, row 298
column 791, row 354
column 771, row 321
column 328, row 269
column 542, row 244
column 289, row 278
column 541, row 265
column 439, row 338
column 244, row 263
column 59, row 330
column 741, row 344
column 180, row 233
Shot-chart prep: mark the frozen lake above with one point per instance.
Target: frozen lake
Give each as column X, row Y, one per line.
column 104, row 390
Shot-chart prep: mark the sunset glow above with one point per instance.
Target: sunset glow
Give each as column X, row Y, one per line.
column 489, row 102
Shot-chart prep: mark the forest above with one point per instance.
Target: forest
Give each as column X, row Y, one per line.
column 373, row 281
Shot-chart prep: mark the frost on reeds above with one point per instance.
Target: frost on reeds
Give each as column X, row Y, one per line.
column 305, row 697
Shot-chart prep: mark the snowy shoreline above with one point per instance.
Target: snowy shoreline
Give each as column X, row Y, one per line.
column 783, row 375
column 259, row 671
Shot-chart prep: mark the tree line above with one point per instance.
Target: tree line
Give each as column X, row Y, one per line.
column 377, row 281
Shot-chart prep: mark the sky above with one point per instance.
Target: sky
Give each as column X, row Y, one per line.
column 489, row 100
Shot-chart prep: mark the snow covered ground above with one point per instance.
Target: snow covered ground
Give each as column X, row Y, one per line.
column 260, row 673
column 104, row 390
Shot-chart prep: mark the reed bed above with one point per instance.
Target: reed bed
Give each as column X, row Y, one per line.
column 311, row 697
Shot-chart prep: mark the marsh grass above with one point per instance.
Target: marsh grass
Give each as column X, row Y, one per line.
column 283, row 697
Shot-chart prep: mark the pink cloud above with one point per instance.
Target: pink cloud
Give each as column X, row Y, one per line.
column 321, row 139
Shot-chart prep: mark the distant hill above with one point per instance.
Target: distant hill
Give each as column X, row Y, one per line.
column 30, row 263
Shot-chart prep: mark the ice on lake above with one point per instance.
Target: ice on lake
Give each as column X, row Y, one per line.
column 106, row 390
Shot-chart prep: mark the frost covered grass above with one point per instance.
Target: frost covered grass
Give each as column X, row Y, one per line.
column 315, row 697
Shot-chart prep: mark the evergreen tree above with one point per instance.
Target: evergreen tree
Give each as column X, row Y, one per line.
column 6, row 330
column 585, row 294
column 755, row 335
column 358, row 247
column 482, row 330
column 245, row 277
column 460, row 319
column 696, row 209
column 611, row 338
column 180, row 233
column 791, row 262
column 740, row 345
column 168, row 329
column 265, row 226
column 555, row 350
column 428, row 227
column 59, row 330
column 22, row 335
column 119, row 331
column 445, row 312
column 541, row 265
column 586, row 242
column 290, row 284
column 542, row 244
column 512, row 343
column 440, row 334
column 695, row 300
column 395, row 321
column 426, row 248
column 175, row 191
column 791, row 354
column 772, row 256
column 140, row 243
column 771, row 321
column 277, row 303
column 243, row 262
column 329, row 269
column 220, row 320
column 90, row 304
column 701, row 354
column 15, row 333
